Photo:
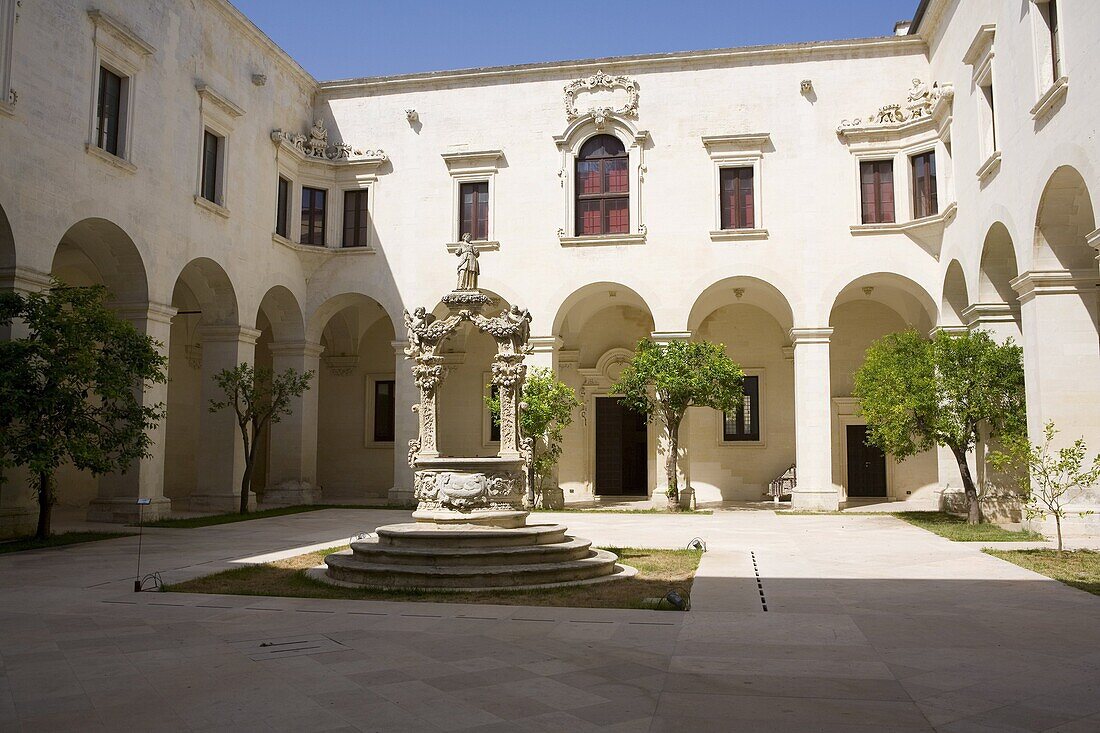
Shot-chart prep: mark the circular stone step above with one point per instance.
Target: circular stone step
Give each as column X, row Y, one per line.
column 374, row 552
column 417, row 534
column 347, row 568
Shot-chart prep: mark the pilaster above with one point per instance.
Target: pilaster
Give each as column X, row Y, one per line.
column 292, row 475
column 813, row 420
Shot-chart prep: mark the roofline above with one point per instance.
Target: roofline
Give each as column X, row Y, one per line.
column 622, row 63
column 251, row 29
column 918, row 16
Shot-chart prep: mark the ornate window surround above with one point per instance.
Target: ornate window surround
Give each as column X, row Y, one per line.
column 123, row 52
column 336, row 175
column 607, row 122
column 720, row 433
column 899, row 141
column 738, row 151
column 980, row 58
column 217, row 114
column 8, row 17
column 472, row 166
column 1050, row 91
column 368, row 412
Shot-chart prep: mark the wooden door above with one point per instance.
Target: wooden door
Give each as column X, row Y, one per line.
column 621, row 445
column 866, row 465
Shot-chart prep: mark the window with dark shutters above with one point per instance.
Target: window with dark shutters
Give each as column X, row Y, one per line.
column 876, row 183
column 737, row 198
column 602, row 187
column 925, row 201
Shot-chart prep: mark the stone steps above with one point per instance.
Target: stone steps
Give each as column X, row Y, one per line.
column 349, row 568
column 439, row 556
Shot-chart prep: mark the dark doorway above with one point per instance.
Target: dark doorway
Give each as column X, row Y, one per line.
column 620, row 450
column 866, row 465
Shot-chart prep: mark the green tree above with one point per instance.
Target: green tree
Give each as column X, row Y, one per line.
column 1049, row 480
column 917, row 393
column 663, row 380
column 546, row 411
column 71, row 389
column 259, row 397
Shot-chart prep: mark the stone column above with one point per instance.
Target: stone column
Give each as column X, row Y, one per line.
column 683, row 463
column 813, row 421
column 119, row 492
column 1001, row 320
column 544, row 352
column 406, row 424
column 18, row 504
column 1061, row 355
column 220, row 459
column 292, row 455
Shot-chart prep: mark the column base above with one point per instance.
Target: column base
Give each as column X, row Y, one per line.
column 17, row 521
column 291, row 493
column 816, row 501
column 125, row 510
column 219, row 503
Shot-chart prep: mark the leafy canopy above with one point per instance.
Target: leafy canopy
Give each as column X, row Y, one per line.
column 71, row 389
column 917, row 393
column 664, row 380
column 258, row 395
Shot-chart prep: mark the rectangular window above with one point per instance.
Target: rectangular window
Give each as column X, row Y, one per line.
column 736, row 198
column 744, row 423
column 355, row 218
column 924, row 185
column 474, row 218
column 876, row 183
column 211, row 152
column 385, row 408
column 313, row 216
column 988, row 118
column 109, row 111
column 1052, row 25
column 282, row 207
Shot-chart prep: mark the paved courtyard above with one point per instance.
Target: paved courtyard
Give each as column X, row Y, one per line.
column 870, row 625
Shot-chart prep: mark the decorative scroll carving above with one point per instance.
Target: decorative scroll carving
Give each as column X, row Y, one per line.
column 463, row 491
column 600, row 80
column 316, row 145
column 921, row 102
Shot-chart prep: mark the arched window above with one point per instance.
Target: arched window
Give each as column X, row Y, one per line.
column 603, row 187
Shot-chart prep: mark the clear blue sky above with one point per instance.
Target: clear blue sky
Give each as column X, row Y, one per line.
column 337, row 39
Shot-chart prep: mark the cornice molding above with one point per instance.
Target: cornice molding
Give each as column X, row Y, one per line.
column 250, row 30
column 121, row 31
column 1034, row 283
column 208, row 93
column 473, row 161
column 800, row 336
column 926, row 109
column 983, row 40
column 754, row 141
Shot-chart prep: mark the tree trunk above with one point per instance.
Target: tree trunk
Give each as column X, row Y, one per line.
column 249, row 458
column 45, row 505
column 670, row 465
column 974, row 509
column 532, row 493
column 1058, row 527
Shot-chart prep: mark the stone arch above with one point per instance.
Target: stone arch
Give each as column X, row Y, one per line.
column 906, row 297
column 281, row 310
column 96, row 251
column 1063, row 220
column 7, row 241
column 583, row 302
column 744, row 290
column 954, row 300
column 204, row 288
column 998, row 266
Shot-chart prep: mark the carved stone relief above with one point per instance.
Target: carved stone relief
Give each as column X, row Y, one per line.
column 600, row 112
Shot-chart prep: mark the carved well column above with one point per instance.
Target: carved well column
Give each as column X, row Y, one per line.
column 428, row 373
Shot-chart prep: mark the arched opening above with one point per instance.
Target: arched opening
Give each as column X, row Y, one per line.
column 356, row 398
column 602, row 187
column 735, row 455
column 282, row 330
column 611, row 451
column 97, row 252
column 206, row 318
column 1064, row 218
column 7, row 241
column 998, row 307
column 954, row 302
column 867, row 309
column 466, row 425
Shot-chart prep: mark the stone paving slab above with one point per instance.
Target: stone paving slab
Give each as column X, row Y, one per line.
column 871, row 625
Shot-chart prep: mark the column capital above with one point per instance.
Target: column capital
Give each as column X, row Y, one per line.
column 545, row 344
column 1092, row 239
column 229, row 332
column 801, row 336
column 949, row 328
column 1034, row 283
column 145, row 310
column 979, row 313
column 24, row 279
column 399, row 347
column 663, row 337
column 309, row 349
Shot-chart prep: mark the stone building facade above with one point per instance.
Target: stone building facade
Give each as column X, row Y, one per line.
column 793, row 202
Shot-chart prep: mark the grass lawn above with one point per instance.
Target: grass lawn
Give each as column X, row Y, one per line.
column 208, row 521
column 955, row 528
column 59, row 540
column 1078, row 568
column 658, row 571
column 648, row 510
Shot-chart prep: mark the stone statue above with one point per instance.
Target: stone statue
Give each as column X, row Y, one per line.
column 467, row 267
column 318, row 139
column 920, row 100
